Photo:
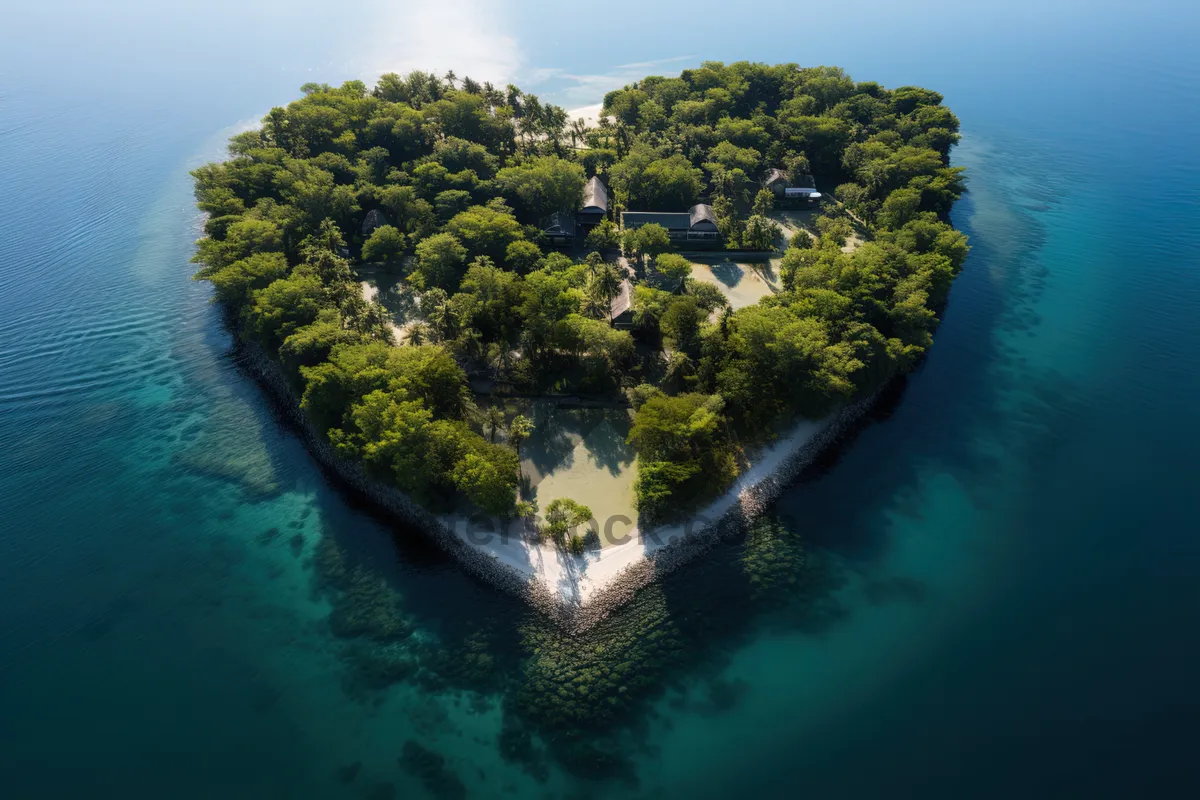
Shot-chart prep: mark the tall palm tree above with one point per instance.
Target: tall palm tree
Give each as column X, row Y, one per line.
column 512, row 99
column 493, row 421
column 554, row 122
column 419, row 334
column 606, row 283
column 595, row 304
column 443, row 321
column 578, row 131
column 492, row 96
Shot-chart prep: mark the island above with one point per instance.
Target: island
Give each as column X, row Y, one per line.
column 570, row 350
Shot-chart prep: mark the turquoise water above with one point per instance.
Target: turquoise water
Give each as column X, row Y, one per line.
column 1008, row 597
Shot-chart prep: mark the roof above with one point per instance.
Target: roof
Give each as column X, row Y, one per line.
column 622, row 302
column 773, row 175
column 701, row 212
column 560, row 223
column 676, row 220
column 671, row 220
column 374, row 219
column 595, row 194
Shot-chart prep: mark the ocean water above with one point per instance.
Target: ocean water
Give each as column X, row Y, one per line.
column 1007, row 563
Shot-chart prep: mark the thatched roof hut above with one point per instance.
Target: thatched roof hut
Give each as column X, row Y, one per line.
column 374, row 219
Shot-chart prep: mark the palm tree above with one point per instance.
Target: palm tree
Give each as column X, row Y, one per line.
column 679, row 367
column 622, row 139
column 518, row 431
column 513, row 100
column 606, row 129
column 554, row 122
column 491, row 95
column 579, row 129
column 595, row 304
column 531, row 119
column 443, row 320
column 500, row 357
column 471, row 86
column 493, row 421
column 450, row 77
column 607, row 282
column 419, row 333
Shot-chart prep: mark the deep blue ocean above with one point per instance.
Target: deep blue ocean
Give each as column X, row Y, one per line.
column 1011, row 543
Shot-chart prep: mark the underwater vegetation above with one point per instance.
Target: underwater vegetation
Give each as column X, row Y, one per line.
column 773, row 559
column 574, row 699
column 429, row 767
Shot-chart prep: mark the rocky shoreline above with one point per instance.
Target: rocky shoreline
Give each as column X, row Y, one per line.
column 751, row 503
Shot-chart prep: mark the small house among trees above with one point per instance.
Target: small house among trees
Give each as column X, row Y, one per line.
column 374, row 219
column 777, row 181
column 698, row 224
column 559, row 229
column 802, row 189
column 595, row 204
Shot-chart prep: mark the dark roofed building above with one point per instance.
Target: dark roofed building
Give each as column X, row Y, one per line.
column 776, row 180
column 559, row 228
column 595, row 202
column 374, row 219
column 696, row 225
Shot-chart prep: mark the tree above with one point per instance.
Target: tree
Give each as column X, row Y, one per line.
column 644, row 181
column 900, row 208
column 485, row 231
column 605, row 284
column 487, row 475
column 764, row 201
column 493, row 421
column 283, row 306
column 708, row 296
column 682, row 449
column 543, row 185
column 522, row 256
column 440, row 261
column 649, row 305
column 235, row 282
column 386, row 243
column 730, row 157
column 563, row 514
column 520, row 429
column 604, row 236
column 449, row 202
column 674, row 269
column 761, row 233
column 681, row 323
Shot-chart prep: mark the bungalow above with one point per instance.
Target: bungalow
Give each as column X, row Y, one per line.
column 802, row 189
column 776, row 180
column 559, row 229
column 696, row 225
column 374, row 219
column 595, row 203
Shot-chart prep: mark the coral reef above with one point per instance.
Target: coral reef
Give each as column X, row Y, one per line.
column 429, row 767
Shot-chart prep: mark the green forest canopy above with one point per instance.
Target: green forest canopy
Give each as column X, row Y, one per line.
column 462, row 172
